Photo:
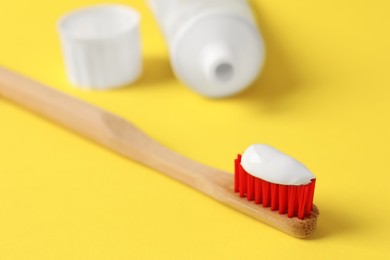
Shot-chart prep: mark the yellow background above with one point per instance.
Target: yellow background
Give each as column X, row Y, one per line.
column 323, row 97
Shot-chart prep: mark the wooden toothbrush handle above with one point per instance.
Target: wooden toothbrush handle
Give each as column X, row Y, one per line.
column 124, row 138
column 109, row 130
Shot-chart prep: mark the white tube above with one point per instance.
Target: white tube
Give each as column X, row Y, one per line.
column 215, row 46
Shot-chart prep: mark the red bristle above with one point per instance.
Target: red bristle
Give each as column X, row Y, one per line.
column 258, row 199
column 243, row 175
column 300, row 194
column 266, row 193
column 236, row 173
column 282, row 199
column 296, row 202
column 302, row 199
column 307, row 201
column 274, row 196
column 250, row 187
column 310, row 197
column 291, row 201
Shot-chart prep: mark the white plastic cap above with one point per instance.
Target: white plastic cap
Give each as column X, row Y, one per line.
column 101, row 46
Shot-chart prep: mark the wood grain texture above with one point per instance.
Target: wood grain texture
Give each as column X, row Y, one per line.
column 124, row 138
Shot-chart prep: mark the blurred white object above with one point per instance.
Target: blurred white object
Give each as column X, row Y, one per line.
column 101, row 46
column 215, row 45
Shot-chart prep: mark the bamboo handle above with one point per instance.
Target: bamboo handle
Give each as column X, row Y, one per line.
column 124, row 138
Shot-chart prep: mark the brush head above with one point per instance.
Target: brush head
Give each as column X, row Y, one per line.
column 292, row 195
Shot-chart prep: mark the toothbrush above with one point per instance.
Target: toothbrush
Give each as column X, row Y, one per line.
column 124, row 138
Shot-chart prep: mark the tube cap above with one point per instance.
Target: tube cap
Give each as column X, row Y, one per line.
column 101, row 46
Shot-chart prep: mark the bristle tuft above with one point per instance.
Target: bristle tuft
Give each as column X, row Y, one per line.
column 258, row 197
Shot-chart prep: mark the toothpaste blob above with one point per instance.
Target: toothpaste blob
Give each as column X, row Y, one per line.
column 267, row 163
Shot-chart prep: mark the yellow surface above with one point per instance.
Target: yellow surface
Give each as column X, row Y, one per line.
column 323, row 98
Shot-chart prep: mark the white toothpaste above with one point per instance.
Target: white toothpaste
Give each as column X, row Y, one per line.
column 269, row 164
